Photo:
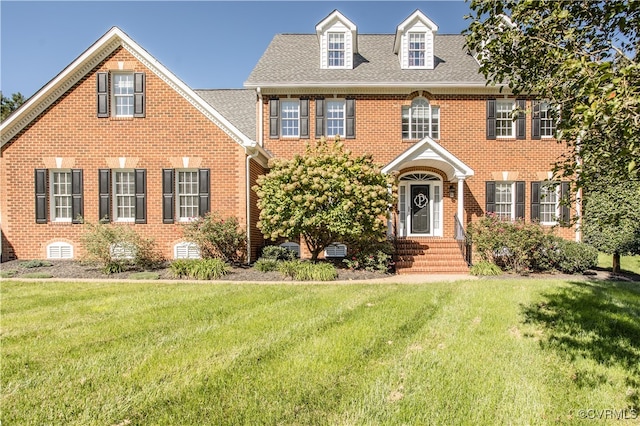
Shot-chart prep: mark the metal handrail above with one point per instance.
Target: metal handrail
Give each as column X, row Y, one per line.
column 463, row 241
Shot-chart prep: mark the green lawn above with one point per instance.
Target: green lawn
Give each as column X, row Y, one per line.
column 485, row 352
column 627, row 263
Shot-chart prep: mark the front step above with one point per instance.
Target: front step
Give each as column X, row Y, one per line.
column 425, row 255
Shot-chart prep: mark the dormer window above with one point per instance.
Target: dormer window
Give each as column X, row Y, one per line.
column 414, row 43
column 416, row 49
column 338, row 39
column 335, row 50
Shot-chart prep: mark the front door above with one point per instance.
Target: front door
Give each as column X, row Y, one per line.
column 420, row 206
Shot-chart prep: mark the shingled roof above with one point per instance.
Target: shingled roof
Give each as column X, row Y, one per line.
column 294, row 60
column 237, row 105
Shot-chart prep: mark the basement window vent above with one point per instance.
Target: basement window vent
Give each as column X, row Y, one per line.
column 59, row 250
column 335, row 250
column 186, row 250
column 294, row 247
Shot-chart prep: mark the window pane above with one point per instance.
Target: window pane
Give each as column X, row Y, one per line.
column 435, row 122
column 406, row 111
column 547, row 123
column 61, row 186
column 420, row 113
column 290, row 118
column 335, row 118
column 124, row 190
column 188, row 194
column 548, row 204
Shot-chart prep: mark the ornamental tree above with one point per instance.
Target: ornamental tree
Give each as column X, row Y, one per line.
column 612, row 220
column 580, row 56
column 325, row 195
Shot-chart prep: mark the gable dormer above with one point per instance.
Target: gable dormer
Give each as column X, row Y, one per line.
column 414, row 42
column 338, row 39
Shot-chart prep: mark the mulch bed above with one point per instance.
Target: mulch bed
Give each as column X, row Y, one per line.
column 64, row 269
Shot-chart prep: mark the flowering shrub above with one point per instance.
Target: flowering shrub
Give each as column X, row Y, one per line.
column 217, row 238
column 369, row 255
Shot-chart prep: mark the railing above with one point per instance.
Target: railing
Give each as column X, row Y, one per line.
column 463, row 241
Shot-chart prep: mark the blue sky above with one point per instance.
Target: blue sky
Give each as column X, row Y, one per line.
column 207, row 44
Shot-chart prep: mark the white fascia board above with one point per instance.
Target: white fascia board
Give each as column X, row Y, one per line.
column 346, row 84
column 428, row 143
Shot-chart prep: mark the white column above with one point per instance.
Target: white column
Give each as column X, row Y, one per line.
column 461, row 200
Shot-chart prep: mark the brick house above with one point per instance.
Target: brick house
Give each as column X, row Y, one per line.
column 118, row 135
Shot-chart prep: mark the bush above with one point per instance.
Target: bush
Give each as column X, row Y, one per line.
column 369, row 255
column 288, row 268
column 100, row 239
column 266, row 265
column 37, row 275
column 577, row 257
column 217, row 238
column 35, row 263
column 485, row 268
column 307, row 271
column 199, row 269
column 278, row 253
column 9, row 273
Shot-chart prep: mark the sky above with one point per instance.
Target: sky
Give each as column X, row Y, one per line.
column 207, row 44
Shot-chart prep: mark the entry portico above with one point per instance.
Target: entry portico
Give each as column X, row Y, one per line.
column 422, row 170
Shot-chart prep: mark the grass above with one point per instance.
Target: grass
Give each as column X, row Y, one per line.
column 627, row 263
column 521, row 351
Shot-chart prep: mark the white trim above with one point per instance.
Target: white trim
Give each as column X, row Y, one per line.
column 436, row 205
column 114, row 198
column 52, row 198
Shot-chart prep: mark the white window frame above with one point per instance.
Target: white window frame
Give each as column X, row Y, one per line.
column 341, row 60
column 342, row 110
column 501, row 202
column 547, row 122
column 182, row 195
column 505, row 125
column 290, row 118
column 420, row 51
column 118, row 196
column 549, row 208
column 57, row 197
column 429, row 127
column 128, row 95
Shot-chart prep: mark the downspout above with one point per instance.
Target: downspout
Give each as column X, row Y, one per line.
column 248, row 198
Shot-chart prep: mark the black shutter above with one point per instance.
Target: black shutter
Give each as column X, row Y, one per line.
column 41, row 195
column 204, row 204
column 350, row 128
column 104, row 191
column 139, row 94
column 304, row 118
column 490, row 197
column 102, row 90
column 168, row 204
column 77, row 202
column 535, row 201
column 535, row 119
column 320, row 117
column 521, row 124
column 491, row 118
column 565, row 197
column 520, row 200
column 274, row 122
column 141, row 195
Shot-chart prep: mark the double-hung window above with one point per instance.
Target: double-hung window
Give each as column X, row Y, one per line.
column 187, row 194
column 416, row 50
column 124, row 196
column 61, row 196
column 505, row 126
column 420, row 120
column 335, row 117
column 547, row 121
column 549, row 204
column 505, row 199
column 123, row 95
column 290, row 118
column 335, row 50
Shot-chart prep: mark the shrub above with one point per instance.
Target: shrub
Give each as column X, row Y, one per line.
column 278, row 253
column 9, row 273
column 577, row 257
column 288, row 268
column 35, row 263
column 199, row 269
column 100, row 239
column 217, row 238
column 266, row 265
column 37, row 275
column 485, row 268
column 369, row 255
column 309, row 271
